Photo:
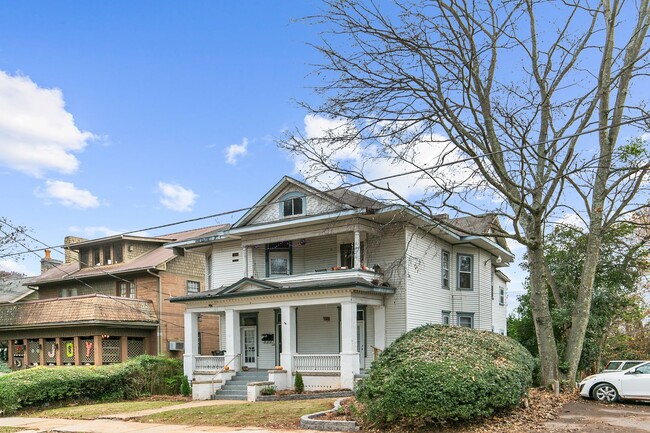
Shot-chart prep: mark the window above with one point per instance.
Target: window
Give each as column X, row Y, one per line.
column 502, row 296
column 292, row 204
column 347, row 255
column 96, row 261
column 278, row 259
column 445, row 269
column 126, row 289
column 193, row 286
column 64, row 293
column 446, row 318
column 465, row 267
column 108, row 260
column 118, row 253
column 465, row 320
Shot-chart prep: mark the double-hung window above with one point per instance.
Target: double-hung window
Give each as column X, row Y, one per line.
column 126, row 289
column 446, row 264
column 465, row 271
column 502, row 296
column 465, row 320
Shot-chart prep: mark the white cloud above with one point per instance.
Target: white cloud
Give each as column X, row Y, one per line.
column 235, row 151
column 100, row 231
column 175, row 197
column 37, row 134
column 11, row 266
column 67, row 194
column 573, row 220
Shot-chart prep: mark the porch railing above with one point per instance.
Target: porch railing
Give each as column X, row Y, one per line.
column 317, row 362
column 208, row 363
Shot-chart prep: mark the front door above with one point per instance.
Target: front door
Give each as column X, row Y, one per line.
column 361, row 343
column 249, row 346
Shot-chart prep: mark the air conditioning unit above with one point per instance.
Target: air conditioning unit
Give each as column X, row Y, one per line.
column 176, row 345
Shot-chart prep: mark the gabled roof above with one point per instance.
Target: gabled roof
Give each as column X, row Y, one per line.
column 254, row 287
column 12, row 288
column 78, row 310
column 342, row 197
column 150, row 260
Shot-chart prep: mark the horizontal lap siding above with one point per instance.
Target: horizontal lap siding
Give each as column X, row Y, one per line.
column 426, row 298
column 266, row 325
column 315, row 335
column 478, row 300
column 320, row 253
column 386, row 249
column 499, row 312
column 224, row 270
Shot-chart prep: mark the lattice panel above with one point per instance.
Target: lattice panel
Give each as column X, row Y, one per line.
column 50, row 352
column 33, row 352
column 87, row 350
column 67, row 351
column 111, row 350
column 136, row 347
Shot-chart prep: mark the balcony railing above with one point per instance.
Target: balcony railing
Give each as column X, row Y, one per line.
column 208, row 363
column 328, row 274
column 315, row 363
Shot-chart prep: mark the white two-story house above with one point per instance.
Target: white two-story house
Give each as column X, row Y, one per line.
column 321, row 282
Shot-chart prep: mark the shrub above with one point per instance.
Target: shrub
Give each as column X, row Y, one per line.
column 139, row 376
column 268, row 390
column 441, row 373
column 299, row 385
column 4, row 368
column 186, row 390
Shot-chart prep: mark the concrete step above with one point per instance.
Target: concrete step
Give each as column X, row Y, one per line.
column 229, row 397
column 235, row 386
column 231, row 392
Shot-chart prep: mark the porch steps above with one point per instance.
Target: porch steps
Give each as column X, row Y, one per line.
column 237, row 387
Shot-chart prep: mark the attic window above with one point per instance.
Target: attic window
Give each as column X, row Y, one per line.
column 292, row 204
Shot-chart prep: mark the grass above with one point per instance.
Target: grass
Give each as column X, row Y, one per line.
column 10, row 429
column 92, row 411
column 276, row 414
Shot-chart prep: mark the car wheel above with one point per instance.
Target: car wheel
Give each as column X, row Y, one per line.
column 605, row 393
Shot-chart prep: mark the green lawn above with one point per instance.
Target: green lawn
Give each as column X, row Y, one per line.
column 10, row 429
column 278, row 414
column 92, row 411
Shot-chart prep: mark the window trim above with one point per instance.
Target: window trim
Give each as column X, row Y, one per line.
column 444, row 254
column 131, row 289
column 460, row 314
column 446, row 315
column 471, row 272
column 286, row 246
column 502, row 295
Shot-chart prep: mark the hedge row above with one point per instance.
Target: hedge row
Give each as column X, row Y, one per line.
column 145, row 375
column 440, row 373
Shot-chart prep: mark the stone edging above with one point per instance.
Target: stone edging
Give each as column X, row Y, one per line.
column 310, row 421
column 305, row 396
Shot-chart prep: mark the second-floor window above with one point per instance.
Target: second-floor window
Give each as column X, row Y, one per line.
column 278, row 259
column 292, row 203
column 108, row 254
column 193, row 287
column 347, row 255
column 446, row 263
column 126, row 289
column 64, row 293
column 465, row 271
column 502, row 296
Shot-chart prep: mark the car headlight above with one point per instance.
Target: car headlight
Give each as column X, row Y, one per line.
column 587, row 378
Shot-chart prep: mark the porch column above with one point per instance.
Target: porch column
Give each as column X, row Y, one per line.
column 233, row 345
column 357, row 250
column 191, row 336
column 349, row 353
column 288, row 319
column 380, row 326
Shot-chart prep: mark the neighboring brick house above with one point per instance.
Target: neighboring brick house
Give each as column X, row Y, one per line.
column 108, row 302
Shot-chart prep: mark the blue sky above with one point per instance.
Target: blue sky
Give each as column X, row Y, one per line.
column 151, row 111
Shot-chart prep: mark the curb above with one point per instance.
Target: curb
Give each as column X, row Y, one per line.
column 308, row 421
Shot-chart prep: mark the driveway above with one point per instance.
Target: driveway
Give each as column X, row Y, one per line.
column 587, row 416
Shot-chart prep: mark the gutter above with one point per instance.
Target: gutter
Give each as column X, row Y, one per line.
column 159, row 339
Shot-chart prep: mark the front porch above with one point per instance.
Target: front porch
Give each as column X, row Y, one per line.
column 328, row 333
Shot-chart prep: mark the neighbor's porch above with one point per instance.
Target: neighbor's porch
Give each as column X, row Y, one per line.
column 328, row 340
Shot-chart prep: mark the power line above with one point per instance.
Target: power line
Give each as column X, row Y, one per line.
column 361, row 182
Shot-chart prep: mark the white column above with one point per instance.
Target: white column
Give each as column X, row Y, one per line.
column 246, row 262
column 288, row 318
column 349, row 353
column 191, row 339
column 380, row 326
column 357, row 250
column 233, row 345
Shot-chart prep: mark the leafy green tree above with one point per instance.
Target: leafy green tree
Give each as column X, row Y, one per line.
column 617, row 302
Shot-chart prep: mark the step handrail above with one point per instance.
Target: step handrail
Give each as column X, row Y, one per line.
column 221, row 371
column 375, row 352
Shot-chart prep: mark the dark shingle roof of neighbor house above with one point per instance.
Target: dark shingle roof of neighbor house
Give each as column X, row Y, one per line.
column 153, row 258
column 479, row 224
column 77, row 310
column 12, row 288
column 272, row 287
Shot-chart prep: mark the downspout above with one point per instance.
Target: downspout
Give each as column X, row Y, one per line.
column 159, row 339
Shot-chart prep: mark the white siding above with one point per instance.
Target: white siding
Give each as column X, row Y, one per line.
column 315, row 334
column 499, row 312
column 266, row 352
column 370, row 335
column 225, row 270
column 386, row 249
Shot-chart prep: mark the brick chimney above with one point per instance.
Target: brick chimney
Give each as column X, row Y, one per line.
column 48, row 262
column 72, row 256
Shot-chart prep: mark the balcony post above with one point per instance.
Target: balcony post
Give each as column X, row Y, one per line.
column 191, row 331
column 357, row 250
column 349, row 348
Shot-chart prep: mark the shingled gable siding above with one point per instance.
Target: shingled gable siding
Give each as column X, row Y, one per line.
column 134, row 249
column 192, row 264
column 315, row 206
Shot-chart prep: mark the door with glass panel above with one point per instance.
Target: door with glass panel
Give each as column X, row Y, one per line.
column 249, row 346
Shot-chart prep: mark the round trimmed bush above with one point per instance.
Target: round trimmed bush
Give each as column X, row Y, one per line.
column 438, row 373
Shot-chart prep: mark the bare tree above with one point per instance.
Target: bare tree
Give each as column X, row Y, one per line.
column 11, row 237
column 518, row 103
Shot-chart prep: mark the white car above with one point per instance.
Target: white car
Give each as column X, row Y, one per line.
column 630, row 384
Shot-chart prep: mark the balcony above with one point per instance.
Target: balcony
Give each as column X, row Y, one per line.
column 331, row 274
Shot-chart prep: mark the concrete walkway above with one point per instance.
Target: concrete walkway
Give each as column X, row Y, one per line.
column 199, row 403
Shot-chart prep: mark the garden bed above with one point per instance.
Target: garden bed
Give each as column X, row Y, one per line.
column 309, row 395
